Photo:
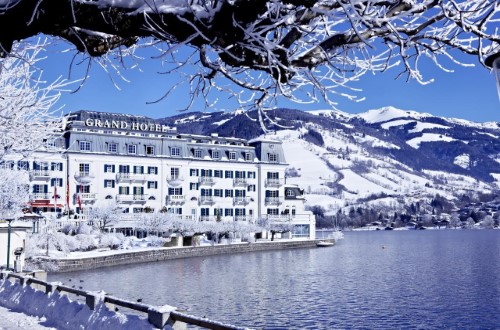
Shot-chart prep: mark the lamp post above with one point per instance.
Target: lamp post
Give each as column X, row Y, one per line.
column 8, row 242
column 493, row 62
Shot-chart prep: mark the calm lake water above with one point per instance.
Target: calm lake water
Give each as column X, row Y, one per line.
column 430, row 279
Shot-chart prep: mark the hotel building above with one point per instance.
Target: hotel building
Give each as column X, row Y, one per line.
column 142, row 164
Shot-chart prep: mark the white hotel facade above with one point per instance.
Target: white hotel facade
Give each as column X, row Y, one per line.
column 142, row 164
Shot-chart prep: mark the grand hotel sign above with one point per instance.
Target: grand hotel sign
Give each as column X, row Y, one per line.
column 121, row 124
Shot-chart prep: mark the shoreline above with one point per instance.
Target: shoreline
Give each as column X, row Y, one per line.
column 124, row 257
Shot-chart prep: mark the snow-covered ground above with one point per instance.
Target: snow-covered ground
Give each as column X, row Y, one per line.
column 57, row 311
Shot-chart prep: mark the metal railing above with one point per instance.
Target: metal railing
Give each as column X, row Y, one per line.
column 131, row 177
column 131, row 198
column 40, row 196
column 241, row 200
column 273, row 182
column 40, row 173
column 240, row 182
column 273, row 200
column 179, row 199
column 206, row 200
column 208, row 180
column 158, row 316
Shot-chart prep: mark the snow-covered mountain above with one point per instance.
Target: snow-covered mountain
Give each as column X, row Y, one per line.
column 385, row 156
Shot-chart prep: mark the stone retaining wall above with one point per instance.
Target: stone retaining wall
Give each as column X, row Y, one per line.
column 67, row 265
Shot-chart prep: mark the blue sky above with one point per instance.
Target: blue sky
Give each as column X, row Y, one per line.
column 468, row 93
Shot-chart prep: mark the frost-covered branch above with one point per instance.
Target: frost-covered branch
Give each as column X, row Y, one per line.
column 257, row 51
column 28, row 120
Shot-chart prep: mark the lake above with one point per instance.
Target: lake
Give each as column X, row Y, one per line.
column 429, row 279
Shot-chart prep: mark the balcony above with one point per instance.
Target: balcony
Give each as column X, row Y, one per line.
column 176, row 199
column 243, row 218
column 240, row 182
column 39, row 174
column 88, row 197
column 39, row 196
column 84, row 177
column 273, row 182
column 273, row 200
column 131, row 177
column 207, row 218
column 241, row 200
column 121, row 198
column 175, row 180
column 206, row 180
column 206, row 200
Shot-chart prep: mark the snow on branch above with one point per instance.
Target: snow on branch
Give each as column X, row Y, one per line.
column 28, row 120
column 257, row 51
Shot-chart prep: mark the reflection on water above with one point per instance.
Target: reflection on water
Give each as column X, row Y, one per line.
column 383, row 279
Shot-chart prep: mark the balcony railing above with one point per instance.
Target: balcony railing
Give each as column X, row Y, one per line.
column 206, row 180
column 88, row 196
column 207, row 218
column 43, row 174
column 84, row 177
column 273, row 200
column 241, row 200
column 240, row 182
column 243, row 218
column 35, row 196
column 131, row 198
column 206, row 200
column 131, row 177
column 175, row 180
column 176, row 199
column 273, row 182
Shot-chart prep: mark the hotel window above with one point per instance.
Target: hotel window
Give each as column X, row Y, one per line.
column 123, row 190
column 109, row 183
column 139, row 169
column 194, row 186
column 150, row 150
column 23, row 165
column 272, row 193
column 56, row 166
column 248, row 156
column 152, row 170
column 132, row 149
column 193, row 172
column 272, row 211
column 137, row 210
column 124, row 169
column 197, row 153
column 232, row 155
column 215, row 154
column 113, row 147
column 58, row 182
column 273, row 158
column 153, row 184
column 174, row 151
column 272, row 175
column 174, row 173
column 84, row 189
column 85, row 146
column 228, row 212
column 240, row 212
column 84, row 168
column 239, row 174
column 290, row 193
column 229, row 193
column 251, row 175
column 251, row 187
column 218, row 193
column 40, row 188
column 218, row 173
column 175, row 191
column 108, row 168
column 229, row 174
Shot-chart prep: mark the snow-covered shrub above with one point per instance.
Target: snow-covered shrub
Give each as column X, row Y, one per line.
column 111, row 240
column 69, row 229
column 85, row 242
column 84, row 229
